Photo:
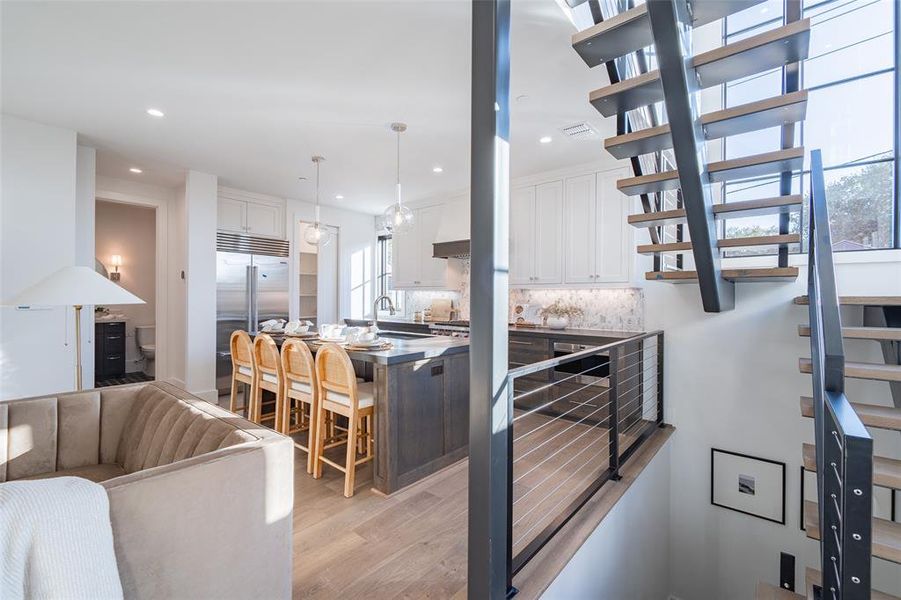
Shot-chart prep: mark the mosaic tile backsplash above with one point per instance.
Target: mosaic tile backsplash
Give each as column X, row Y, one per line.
column 616, row 309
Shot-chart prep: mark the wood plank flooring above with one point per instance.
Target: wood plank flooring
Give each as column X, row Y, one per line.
column 413, row 543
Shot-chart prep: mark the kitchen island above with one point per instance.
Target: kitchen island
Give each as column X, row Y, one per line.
column 421, row 405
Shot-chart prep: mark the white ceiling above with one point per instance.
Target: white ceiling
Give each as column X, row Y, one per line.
column 252, row 89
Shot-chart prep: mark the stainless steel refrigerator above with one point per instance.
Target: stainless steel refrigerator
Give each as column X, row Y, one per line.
column 251, row 287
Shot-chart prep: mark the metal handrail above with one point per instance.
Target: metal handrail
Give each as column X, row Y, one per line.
column 845, row 519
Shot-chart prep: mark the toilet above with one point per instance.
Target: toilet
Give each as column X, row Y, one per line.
column 145, row 337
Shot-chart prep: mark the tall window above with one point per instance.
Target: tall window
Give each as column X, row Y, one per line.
column 849, row 75
column 361, row 283
column 383, row 283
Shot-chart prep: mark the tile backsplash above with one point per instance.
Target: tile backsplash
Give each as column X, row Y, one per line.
column 617, row 309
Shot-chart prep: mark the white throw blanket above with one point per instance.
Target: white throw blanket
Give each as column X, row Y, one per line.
column 56, row 541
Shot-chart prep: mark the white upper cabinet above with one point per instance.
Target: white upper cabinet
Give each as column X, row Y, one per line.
column 412, row 263
column 614, row 236
column 536, row 234
column 579, row 214
column 522, row 235
column 548, row 237
column 598, row 239
column 251, row 214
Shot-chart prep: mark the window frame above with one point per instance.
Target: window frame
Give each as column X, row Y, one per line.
column 896, row 118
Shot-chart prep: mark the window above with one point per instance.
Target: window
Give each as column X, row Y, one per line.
column 384, row 285
column 361, row 283
column 849, row 75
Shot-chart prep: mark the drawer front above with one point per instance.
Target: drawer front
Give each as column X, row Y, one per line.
column 525, row 343
column 114, row 365
column 114, row 343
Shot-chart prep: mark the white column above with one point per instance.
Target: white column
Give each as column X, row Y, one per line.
column 200, row 207
column 85, row 200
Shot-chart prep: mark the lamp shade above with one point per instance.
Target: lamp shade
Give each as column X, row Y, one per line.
column 75, row 286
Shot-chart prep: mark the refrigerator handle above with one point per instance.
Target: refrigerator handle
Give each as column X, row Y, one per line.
column 254, row 299
column 248, row 298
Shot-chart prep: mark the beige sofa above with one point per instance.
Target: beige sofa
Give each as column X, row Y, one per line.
column 200, row 499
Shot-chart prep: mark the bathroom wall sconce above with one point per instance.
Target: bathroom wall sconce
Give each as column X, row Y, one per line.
column 116, row 261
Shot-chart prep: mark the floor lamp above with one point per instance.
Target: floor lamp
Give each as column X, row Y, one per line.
column 75, row 287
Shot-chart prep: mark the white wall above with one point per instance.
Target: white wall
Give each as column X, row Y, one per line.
column 356, row 232
column 130, row 231
column 627, row 556
column 200, row 205
column 37, row 238
column 732, row 382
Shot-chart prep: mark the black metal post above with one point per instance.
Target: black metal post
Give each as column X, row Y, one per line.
column 660, row 379
column 671, row 26
column 489, row 422
column 791, row 82
column 613, row 418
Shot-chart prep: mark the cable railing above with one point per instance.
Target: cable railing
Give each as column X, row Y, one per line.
column 574, row 420
column 844, row 448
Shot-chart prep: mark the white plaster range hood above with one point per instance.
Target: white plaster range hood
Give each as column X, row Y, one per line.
column 452, row 240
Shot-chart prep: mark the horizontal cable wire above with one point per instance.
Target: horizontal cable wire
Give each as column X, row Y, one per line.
column 546, row 423
column 555, row 436
column 559, row 450
column 532, row 411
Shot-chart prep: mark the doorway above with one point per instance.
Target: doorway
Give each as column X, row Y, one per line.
column 125, row 342
column 317, row 267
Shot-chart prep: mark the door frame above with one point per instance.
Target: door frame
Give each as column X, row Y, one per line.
column 161, row 284
column 294, row 266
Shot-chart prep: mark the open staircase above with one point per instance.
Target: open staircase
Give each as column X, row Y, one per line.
column 672, row 176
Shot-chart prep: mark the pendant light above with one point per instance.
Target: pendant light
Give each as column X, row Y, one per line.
column 397, row 218
column 316, row 234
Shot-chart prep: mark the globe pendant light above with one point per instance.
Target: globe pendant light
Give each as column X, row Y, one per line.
column 397, row 218
column 316, row 234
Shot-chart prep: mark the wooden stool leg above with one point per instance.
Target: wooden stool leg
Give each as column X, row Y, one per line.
column 351, row 464
column 369, row 437
column 320, row 442
column 312, row 437
column 233, row 399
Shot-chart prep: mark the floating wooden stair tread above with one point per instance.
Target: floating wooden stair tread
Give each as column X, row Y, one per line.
column 861, row 370
column 886, row 471
column 768, row 591
column 886, row 534
column 755, row 54
column 766, row 240
column 767, row 163
column 871, row 415
column 753, row 116
column 859, row 300
column 736, row 275
column 630, row 30
column 730, row 210
column 813, row 577
column 888, row 334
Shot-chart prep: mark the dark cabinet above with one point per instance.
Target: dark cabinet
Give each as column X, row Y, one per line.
column 109, row 350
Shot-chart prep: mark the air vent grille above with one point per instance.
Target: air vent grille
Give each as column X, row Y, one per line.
column 248, row 244
column 581, row 131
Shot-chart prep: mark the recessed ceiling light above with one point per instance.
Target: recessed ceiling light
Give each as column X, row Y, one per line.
column 339, row 197
column 545, row 140
column 136, row 170
column 155, row 112
column 437, row 170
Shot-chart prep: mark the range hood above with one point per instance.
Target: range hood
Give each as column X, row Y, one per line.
column 455, row 249
column 452, row 239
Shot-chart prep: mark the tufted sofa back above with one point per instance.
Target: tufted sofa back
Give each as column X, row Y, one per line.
column 134, row 426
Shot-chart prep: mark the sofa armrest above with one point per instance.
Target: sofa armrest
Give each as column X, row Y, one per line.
column 217, row 525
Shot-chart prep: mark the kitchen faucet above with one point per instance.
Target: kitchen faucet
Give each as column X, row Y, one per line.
column 375, row 308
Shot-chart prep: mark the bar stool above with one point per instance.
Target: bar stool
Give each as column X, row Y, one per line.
column 301, row 393
column 242, row 368
column 340, row 394
column 269, row 377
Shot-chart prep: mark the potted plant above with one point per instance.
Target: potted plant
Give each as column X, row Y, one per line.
column 559, row 314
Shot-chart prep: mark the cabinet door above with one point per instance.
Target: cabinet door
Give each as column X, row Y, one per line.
column 522, row 235
column 549, row 233
column 265, row 220
column 231, row 215
column 579, row 218
column 405, row 259
column 432, row 271
column 614, row 234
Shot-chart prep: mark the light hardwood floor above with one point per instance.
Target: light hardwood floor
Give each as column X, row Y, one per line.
column 413, row 543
